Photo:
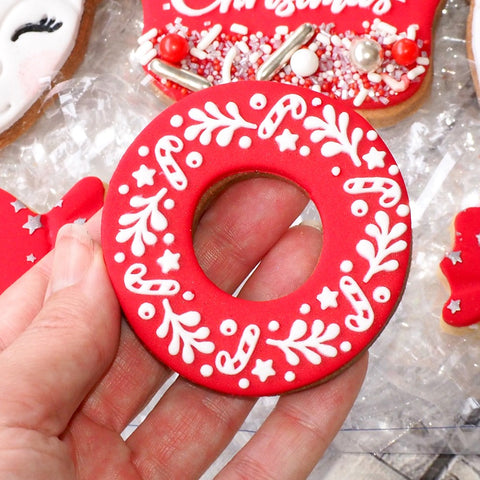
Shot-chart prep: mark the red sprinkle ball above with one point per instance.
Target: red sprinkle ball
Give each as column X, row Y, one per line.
column 405, row 51
column 173, row 48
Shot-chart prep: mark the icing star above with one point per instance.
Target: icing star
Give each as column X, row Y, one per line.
column 455, row 257
column 144, row 176
column 454, row 306
column 18, row 205
column 375, row 158
column 263, row 369
column 31, row 258
column 327, row 298
column 34, row 223
column 169, row 261
column 287, row 140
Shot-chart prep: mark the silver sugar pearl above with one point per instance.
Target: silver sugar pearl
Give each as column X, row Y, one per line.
column 366, row 54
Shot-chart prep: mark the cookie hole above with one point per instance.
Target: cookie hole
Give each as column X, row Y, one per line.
column 259, row 238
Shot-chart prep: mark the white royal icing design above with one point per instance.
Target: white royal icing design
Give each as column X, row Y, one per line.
column 328, row 128
column 313, row 346
column 386, row 244
column 135, row 282
column 138, row 222
column 231, row 365
column 363, row 318
column 389, row 189
column 182, row 339
column 36, row 36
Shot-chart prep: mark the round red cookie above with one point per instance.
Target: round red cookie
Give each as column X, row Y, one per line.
column 230, row 41
column 234, row 345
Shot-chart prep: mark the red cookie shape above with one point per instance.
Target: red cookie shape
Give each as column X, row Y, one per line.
column 461, row 269
column 371, row 54
column 230, row 344
column 28, row 236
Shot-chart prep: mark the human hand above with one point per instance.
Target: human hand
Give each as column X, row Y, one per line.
column 72, row 376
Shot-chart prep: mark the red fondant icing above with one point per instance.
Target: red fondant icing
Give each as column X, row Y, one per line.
column 461, row 269
column 230, row 344
column 28, row 236
column 337, row 24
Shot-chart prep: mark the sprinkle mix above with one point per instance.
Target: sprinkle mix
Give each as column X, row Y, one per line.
column 324, row 62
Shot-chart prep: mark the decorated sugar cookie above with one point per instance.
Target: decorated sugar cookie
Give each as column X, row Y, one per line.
column 473, row 42
column 462, row 272
column 230, row 344
column 38, row 40
column 28, row 236
column 374, row 55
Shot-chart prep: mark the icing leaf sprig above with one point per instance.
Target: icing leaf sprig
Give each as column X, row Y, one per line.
column 328, row 128
column 386, row 245
column 211, row 119
column 138, row 223
column 190, row 340
column 311, row 345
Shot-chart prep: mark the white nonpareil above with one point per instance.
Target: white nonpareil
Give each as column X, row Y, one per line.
column 36, row 38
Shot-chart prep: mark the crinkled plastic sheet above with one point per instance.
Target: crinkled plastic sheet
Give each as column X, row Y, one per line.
column 422, row 393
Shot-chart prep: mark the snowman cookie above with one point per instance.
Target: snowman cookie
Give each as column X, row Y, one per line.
column 373, row 55
column 41, row 42
column 230, row 344
column 460, row 267
column 28, row 236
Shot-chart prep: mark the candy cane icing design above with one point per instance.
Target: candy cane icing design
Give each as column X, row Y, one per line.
column 36, row 38
column 27, row 236
column 230, row 344
column 370, row 54
column 460, row 268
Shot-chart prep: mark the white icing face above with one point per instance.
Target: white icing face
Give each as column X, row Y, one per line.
column 36, row 37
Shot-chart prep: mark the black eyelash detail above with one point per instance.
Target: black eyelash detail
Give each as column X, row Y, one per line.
column 46, row 24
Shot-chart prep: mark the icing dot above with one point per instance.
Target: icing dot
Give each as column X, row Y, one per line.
column 393, row 170
column 258, row 101
column 372, row 135
column 119, row 257
column 123, row 189
column 273, row 326
column 245, row 142
column 403, row 210
column 346, row 266
column 290, row 376
column 316, row 102
column 305, row 151
column 359, row 208
column 143, row 151
column 304, row 62
column 176, row 121
column 244, row 383
column 206, row 370
column 228, row 327
column 336, row 171
column 168, row 238
column 188, row 296
column 146, row 311
column 345, row 347
column 381, row 294
column 305, row 309
column 194, row 159
column 169, row 204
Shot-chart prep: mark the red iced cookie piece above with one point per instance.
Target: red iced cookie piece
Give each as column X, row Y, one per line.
column 230, row 41
column 230, row 344
column 28, row 236
column 461, row 268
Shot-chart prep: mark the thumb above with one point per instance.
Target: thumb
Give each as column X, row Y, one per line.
column 49, row 369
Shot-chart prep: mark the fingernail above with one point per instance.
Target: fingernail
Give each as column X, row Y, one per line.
column 72, row 258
